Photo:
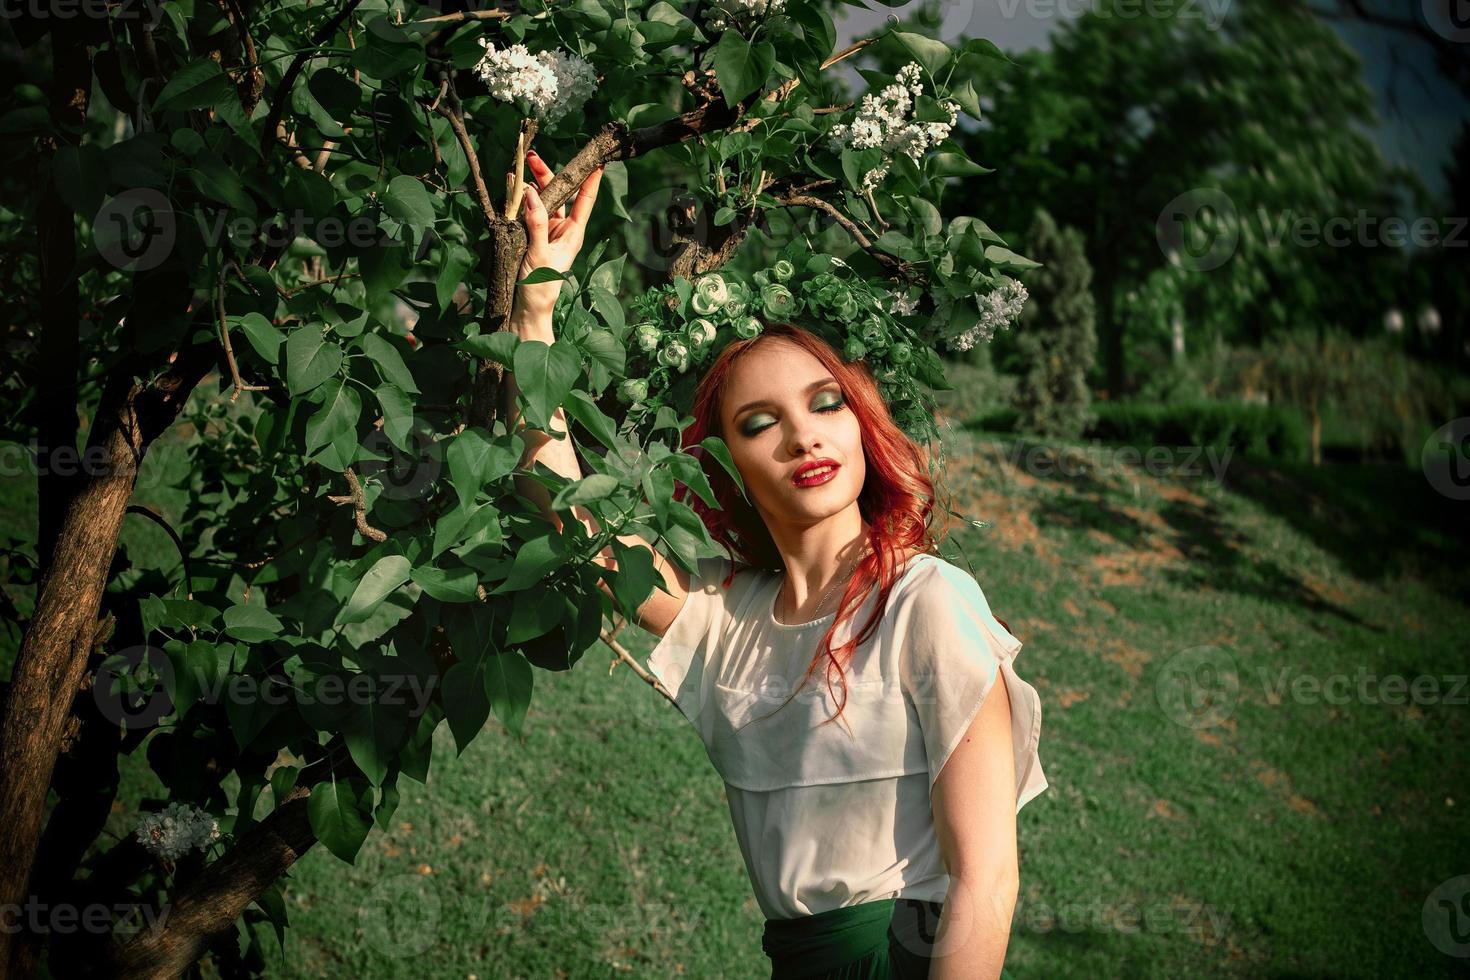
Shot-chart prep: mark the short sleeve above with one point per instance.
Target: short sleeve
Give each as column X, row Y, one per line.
column 680, row 658
column 953, row 650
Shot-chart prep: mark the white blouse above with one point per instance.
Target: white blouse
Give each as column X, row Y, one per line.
column 840, row 814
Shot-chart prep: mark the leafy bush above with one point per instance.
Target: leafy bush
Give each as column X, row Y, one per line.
column 1059, row 343
column 1254, row 430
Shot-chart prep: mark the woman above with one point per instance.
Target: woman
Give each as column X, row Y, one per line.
column 876, row 812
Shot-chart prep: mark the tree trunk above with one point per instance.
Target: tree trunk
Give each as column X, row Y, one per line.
column 53, row 653
column 1316, row 434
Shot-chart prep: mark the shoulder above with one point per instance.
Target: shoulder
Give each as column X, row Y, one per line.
column 930, row 581
column 941, row 597
column 718, row 574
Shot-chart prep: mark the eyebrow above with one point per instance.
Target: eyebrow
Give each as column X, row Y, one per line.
column 822, row 383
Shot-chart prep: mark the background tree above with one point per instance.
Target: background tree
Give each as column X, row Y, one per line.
column 1059, row 342
column 1137, row 130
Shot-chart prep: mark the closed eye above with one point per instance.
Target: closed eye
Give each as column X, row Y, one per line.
column 836, row 406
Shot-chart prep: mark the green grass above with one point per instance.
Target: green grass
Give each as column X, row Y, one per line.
column 1294, row 838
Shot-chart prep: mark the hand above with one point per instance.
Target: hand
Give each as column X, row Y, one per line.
column 551, row 240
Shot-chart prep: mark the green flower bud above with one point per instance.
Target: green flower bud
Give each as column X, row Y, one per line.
column 854, row 350
column 734, row 307
column 674, row 355
column 900, row 353
column 846, row 306
column 874, row 336
column 783, row 270
column 633, row 390
column 747, row 327
column 705, row 304
column 761, row 277
column 777, row 301
column 714, row 286
column 646, row 335
column 701, row 332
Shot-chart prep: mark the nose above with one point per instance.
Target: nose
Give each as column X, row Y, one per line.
column 805, row 439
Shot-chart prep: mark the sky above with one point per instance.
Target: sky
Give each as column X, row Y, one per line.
column 1419, row 112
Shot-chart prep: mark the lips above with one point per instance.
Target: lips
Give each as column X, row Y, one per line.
column 814, row 472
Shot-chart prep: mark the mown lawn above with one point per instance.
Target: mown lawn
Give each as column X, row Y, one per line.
column 1192, row 827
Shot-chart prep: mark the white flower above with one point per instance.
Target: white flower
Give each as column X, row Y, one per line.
column 883, row 121
column 902, row 305
column 720, row 14
column 550, row 83
column 998, row 309
column 176, row 830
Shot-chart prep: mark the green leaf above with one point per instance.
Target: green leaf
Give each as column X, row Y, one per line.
column 580, row 406
column 263, row 336
column 543, row 273
column 310, row 359
column 499, row 346
column 740, row 67
column 967, row 98
column 687, row 469
column 389, row 362
column 953, row 165
column 373, row 730
column 634, row 580
column 251, row 624
column 932, row 54
column 397, row 416
column 341, row 814
column 545, row 374
column 1004, row 256
column 79, row 174
column 534, row 561
column 716, row 447
column 341, row 408
column 928, row 215
column 409, row 201
column 448, row 584
column 985, row 48
column 598, row 486
column 465, row 703
column 386, row 575
column 508, row 684
column 476, row 459
column 195, row 86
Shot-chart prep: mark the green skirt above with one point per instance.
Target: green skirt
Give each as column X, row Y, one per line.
column 891, row 939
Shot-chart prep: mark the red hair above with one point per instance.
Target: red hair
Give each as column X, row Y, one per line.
column 897, row 499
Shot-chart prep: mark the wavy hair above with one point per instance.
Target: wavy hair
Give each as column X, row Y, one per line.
column 898, row 498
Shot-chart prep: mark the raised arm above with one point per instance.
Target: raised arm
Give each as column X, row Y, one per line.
column 553, row 241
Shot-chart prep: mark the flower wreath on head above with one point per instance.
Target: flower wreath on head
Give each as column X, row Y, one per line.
column 678, row 329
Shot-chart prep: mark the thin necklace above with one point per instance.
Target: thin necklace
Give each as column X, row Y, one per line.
column 850, row 569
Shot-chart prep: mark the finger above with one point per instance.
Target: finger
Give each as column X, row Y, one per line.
column 535, row 217
column 543, row 175
column 586, row 197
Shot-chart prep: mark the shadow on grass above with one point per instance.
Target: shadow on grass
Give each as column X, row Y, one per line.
column 1380, row 521
column 1091, row 497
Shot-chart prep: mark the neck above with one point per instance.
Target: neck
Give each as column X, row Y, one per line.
column 818, row 564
